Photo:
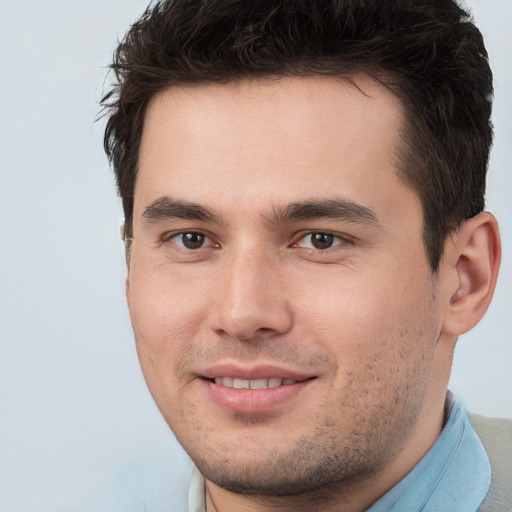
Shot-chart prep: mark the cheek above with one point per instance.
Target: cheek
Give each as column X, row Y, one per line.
column 371, row 321
column 383, row 340
column 166, row 318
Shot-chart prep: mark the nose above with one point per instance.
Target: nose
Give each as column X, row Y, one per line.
column 251, row 300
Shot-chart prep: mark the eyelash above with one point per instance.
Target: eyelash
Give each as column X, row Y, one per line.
column 342, row 240
column 168, row 237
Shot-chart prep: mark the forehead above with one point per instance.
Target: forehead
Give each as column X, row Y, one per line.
column 277, row 139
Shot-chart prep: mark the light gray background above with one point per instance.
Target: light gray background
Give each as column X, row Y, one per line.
column 74, row 407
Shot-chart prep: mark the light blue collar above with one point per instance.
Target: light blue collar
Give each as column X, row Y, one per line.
column 454, row 475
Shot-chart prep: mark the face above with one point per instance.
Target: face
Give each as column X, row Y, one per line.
column 285, row 314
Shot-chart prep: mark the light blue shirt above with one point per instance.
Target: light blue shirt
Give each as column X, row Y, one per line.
column 454, row 476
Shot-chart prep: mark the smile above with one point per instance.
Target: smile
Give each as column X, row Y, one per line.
column 256, row 395
column 271, row 382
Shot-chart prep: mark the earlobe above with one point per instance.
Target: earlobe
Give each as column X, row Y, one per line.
column 475, row 255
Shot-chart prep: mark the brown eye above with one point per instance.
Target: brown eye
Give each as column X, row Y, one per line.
column 193, row 240
column 190, row 240
column 322, row 240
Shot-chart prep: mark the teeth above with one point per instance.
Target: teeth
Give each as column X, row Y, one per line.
column 274, row 383
column 241, row 384
column 258, row 384
column 252, row 384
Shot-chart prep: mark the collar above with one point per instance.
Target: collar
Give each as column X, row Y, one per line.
column 197, row 493
column 453, row 476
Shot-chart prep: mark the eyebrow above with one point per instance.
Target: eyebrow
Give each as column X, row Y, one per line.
column 167, row 207
column 337, row 208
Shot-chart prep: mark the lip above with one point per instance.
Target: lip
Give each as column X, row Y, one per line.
column 253, row 401
column 251, row 373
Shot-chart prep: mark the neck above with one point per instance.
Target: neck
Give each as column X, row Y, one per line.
column 325, row 500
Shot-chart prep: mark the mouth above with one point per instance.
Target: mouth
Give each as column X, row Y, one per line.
column 255, row 391
column 265, row 383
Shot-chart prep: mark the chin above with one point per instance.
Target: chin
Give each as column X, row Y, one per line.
column 306, row 469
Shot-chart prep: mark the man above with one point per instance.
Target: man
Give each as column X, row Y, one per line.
column 303, row 186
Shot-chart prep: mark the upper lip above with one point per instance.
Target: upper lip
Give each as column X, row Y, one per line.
column 253, row 372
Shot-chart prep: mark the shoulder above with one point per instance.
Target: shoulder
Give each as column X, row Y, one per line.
column 496, row 437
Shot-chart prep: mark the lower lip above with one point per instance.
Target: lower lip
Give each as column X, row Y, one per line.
column 253, row 401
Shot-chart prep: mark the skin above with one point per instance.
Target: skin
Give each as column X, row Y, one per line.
column 364, row 319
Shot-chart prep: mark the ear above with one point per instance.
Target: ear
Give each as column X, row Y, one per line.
column 127, row 248
column 473, row 256
column 127, row 289
column 127, row 244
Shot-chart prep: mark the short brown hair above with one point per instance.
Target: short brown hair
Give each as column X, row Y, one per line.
column 428, row 52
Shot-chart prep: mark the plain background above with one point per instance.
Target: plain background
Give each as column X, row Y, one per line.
column 74, row 407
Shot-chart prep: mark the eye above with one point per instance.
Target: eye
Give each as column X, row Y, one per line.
column 319, row 241
column 190, row 240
